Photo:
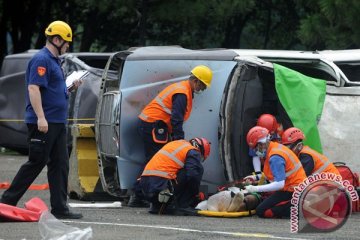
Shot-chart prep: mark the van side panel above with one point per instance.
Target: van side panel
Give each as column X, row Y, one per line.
column 141, row 81
column 339, row 126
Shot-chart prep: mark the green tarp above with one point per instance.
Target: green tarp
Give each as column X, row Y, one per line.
column 303, row 99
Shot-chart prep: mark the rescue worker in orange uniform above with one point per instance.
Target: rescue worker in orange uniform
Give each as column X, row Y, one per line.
column 166, row 113
column 176, row 171
column 275, row 129
column 312, row 161
column 162, row 119
column 282, row 169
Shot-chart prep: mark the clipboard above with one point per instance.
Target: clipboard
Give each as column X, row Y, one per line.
column 75, row 75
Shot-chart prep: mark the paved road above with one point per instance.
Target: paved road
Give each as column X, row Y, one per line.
column 136, row 223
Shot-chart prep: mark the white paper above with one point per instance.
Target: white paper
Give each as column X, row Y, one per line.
column 75, row 75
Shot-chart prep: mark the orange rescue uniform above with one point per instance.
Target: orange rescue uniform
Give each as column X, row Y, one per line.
column 169, row 160
column 294, row 171
column 321, row 163
column 160, row 107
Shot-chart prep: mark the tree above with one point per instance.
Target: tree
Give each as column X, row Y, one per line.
column 330, row 24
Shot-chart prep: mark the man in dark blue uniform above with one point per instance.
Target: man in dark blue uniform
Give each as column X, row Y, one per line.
column 46, row 118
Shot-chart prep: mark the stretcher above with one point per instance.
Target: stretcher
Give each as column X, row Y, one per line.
column 226, row 214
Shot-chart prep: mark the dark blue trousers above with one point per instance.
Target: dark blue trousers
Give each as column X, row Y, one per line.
column 49, row 150
column 150, row 146
column 277, row 205
column 185, row 189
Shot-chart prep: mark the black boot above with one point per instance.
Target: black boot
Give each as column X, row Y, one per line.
column 136, row 201
column 188, row 211
column 67, row 215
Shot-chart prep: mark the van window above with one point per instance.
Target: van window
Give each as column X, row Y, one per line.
column 351, row 70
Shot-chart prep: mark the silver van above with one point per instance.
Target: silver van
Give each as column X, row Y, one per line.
column 303, row 89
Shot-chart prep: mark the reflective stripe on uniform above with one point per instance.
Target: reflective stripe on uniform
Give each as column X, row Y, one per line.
column 161, row 103
column 172, row 155
column 160, row 100
column 143, row 116
column 325, row 163
column 155, row 172
column 169, row 160
column 297, row 165
column 160, row 108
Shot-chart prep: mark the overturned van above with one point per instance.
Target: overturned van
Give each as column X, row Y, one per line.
column 303, row 89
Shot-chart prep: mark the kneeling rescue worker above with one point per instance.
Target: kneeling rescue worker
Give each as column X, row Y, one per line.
column 282, row 169
column 312, row 161
column 275, row 128
column 171, row 179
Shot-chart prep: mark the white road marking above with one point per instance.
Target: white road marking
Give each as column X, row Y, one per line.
column 236, row 234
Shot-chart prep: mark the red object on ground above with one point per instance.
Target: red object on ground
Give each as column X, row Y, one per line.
column 31, row 213
column 6, row 185
column 39, row 186
column 36, row 204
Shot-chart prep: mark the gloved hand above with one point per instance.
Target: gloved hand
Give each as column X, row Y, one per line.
column 164, row 196
column 251, row 188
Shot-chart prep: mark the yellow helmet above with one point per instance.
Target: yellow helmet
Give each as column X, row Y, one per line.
column 203, row 73
column 59, row 28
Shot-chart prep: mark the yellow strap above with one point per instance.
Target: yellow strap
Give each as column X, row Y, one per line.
column 262, row 179
column 225, row 214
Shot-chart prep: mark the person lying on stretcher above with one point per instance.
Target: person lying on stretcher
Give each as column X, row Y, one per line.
column 231, row 200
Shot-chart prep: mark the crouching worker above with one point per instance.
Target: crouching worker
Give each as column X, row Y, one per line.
column 275, row 128
column 312, row 161
column 282, row 169
column 171, row 179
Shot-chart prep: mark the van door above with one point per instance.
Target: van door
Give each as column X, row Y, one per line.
column 107, row 125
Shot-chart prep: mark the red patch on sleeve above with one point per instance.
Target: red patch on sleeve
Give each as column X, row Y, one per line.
column 41, row 71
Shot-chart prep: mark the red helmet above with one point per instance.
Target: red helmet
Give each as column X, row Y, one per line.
column 203, row 145
column 291, row 135
column 255, row 134
column 269, row 122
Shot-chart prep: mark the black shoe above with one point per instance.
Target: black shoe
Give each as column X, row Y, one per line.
column 170, row 209
column 67, row 215
column 186, row 212
column 7, row 203
column 136, row 201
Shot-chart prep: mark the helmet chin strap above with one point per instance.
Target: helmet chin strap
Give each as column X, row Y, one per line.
column 297, row 147
column 199, row 146
column 58, row 48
